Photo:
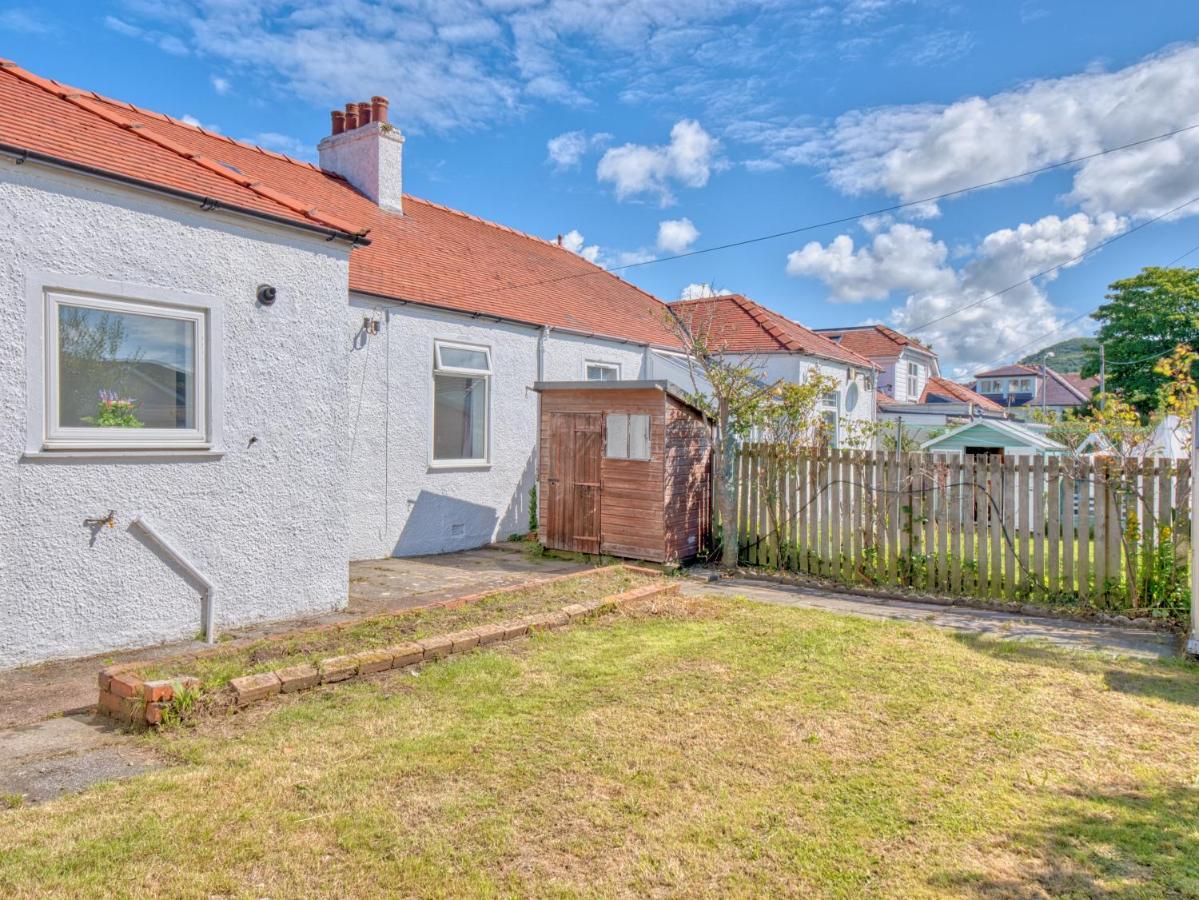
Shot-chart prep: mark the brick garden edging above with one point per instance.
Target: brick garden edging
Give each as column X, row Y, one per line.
column 128, row 698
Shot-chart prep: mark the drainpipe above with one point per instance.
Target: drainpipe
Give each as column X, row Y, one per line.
column 209, row 605
column 1193, row 640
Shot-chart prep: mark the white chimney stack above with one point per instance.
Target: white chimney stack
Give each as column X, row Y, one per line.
column 367, row 151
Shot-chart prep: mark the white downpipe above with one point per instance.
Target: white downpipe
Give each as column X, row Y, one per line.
column 209, row 607
column 1193, row 640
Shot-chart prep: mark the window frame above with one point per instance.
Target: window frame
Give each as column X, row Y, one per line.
column 601, row 364
column 459, row 372
column 46, row 293
column 913, row 379
column 649, row 436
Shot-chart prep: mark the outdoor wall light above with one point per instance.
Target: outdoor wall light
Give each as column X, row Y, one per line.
column 266, row 294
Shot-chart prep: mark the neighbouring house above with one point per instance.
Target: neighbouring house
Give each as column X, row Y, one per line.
column 942, row 404
column 1022, row 389
column 625, row 469
column 745, row 330
column 905, row 364
column 225, row 363
column 996, row 437
column 1169, row 440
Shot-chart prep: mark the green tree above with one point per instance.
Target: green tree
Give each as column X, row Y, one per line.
column 1150, row 313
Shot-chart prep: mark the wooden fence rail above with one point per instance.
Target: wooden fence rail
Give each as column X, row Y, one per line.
column 1019, row 528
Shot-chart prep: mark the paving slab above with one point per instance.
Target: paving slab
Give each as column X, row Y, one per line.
column 1065, row 633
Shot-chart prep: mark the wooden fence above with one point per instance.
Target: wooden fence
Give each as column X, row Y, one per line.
column 1020, row 528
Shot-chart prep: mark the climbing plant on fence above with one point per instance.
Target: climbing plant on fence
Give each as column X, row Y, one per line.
column 1109, row 534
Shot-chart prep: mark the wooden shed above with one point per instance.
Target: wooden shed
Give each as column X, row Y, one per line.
column 625, row 469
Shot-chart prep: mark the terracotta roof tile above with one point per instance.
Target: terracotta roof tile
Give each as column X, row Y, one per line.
column 951, row 390
column 431, row 254
column 736, row 324
column 874, row 341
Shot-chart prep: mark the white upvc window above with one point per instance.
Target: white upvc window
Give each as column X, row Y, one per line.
column 120, row 370
column 601, row 371
column 830, row 400
column 461, row 404
column 627, row 436
column 913, row 379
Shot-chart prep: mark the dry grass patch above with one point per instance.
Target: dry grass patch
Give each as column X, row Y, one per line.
column 216, row 669
column 699, row 748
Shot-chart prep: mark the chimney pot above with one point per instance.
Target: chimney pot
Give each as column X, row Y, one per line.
column 339, row 121
column 364, row 114
column 351, row 116
column 379, row 109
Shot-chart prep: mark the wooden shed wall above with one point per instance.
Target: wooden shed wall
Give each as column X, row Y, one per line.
column 688, row 480
column 632, row 494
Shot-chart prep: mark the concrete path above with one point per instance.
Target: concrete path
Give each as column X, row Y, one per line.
column 51, row 743
column 1009, row 626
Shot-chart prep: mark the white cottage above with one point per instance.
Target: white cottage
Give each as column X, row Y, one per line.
column 784, row 350
column 225, row 373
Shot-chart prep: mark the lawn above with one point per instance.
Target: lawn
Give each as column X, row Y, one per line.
column 216, row 668
column 701, row 747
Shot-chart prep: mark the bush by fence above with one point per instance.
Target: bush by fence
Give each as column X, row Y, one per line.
column 1098, row 532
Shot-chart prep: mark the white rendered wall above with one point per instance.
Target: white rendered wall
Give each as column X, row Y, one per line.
column 400, row 504
column 266, row 522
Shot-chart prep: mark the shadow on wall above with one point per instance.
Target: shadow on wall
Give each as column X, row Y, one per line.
column 516, row 516
column 440, row 524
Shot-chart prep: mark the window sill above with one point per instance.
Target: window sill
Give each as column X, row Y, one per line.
column 451, row 465
column 119, row 453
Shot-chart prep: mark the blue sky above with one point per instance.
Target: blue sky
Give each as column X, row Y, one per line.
column 641, row 128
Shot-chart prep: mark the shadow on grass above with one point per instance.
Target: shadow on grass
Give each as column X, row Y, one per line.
column 1110, row 844
column 1173, row 680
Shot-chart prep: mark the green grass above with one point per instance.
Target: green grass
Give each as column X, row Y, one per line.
column 708, row 748
column 215, row 670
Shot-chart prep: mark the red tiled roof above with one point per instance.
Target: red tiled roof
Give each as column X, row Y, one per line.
column 874, row 341
column 943, row 387
column 1003, row 371
column 736, row 324
column 79, row 126
column 431, row 254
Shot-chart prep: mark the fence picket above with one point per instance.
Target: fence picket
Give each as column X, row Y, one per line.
column 1053, row 524
column 1083, row 542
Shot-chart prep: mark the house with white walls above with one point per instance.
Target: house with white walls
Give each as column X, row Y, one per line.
column 226, row 373
column 905, row 364
column 784, row 350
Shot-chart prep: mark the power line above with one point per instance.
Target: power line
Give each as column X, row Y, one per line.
column 1067, row 324
column 843, row 220
column 1053, row 268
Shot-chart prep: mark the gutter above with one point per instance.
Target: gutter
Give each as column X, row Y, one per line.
column 22, row 155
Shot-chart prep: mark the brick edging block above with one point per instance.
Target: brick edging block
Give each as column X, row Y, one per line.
column 125, row 696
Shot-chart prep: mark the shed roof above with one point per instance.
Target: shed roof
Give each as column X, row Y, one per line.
column 666, row 387
column 1002, row 433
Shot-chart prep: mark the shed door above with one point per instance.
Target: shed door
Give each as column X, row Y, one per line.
column 573, row 482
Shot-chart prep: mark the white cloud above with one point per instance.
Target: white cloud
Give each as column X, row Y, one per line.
column 283, row 143
column 165, row 41
column 676, row 235
column 921, row 150
column 221, row 85
column 574, row 242
column 1003, row 259
column 23, row 22
column 638, row 169
column 567, row 149
column 189, row 119
column 901, row 258
column 698, row 290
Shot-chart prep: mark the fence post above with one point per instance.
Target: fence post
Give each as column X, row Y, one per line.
column 1193, row 641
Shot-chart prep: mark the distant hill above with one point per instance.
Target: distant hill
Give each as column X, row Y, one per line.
column 1068, row 355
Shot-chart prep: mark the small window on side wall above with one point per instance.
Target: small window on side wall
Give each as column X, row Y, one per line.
column 598, row 371
column 461, row 388
column 124, row 374
column 628, row 436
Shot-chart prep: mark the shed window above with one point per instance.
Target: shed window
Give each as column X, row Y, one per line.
column 599, row 371
column 628, row 436
column 461, row 388
column 124, row 374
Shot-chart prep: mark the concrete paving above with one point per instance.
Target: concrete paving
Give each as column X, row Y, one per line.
column 1007, row 626
column 52, row 743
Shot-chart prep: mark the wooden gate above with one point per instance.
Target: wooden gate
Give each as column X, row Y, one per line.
column 573, row 482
